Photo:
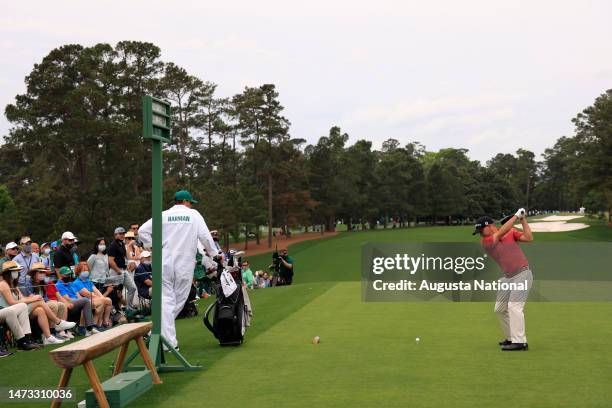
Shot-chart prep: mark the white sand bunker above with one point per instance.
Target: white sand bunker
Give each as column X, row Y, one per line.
column 556, row 223
column 560, row 217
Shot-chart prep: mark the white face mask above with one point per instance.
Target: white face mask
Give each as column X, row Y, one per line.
column 47, row 251
column 14, row 275
column 146, row 262
column 101, row 248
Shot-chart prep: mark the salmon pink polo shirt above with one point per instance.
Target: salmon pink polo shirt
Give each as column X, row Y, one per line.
column 506, row 252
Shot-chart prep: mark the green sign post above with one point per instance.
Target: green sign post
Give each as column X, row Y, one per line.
column 157, row 124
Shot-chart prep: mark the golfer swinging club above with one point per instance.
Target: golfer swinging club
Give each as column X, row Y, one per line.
column 182, row 228
column 501, row 245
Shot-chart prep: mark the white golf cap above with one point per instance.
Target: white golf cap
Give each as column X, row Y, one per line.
column 145, row 254
column 11, row 245
column 68, row 235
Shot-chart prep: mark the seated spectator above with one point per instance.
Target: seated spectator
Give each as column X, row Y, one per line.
column 101, row 304
column 143, row 276
column 259, row 280
column 37, row 308
column 79, row 308
column 17, row 319
column 10, row 251
column 266, row 279
column 247, row 275
column 37, row 285
column 132, row 251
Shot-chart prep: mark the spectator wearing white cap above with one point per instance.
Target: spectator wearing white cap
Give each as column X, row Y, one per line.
column 11, row 250
column 45, row 255
column 26, row 258
column 63, row 256
column 143, row 276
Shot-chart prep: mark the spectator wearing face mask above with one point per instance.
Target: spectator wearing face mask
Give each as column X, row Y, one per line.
column 101, row 304
column 117, row 260
column 98, row 262
column 26, row 258
column 64, row 255
column 143, row 275
column 79, row 308
column 45, row 255
column 37, row 285
column 38, row 310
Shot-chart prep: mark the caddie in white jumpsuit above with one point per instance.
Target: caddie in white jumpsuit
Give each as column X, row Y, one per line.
column 182, row 228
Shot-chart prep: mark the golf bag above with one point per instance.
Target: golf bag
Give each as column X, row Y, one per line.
column 229, row 317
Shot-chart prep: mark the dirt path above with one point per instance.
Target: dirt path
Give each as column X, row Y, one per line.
column 282, row 242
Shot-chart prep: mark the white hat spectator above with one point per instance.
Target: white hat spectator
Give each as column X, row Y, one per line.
column 68, row 235
column 145, row 254
column 119, row 230
column 11, row 245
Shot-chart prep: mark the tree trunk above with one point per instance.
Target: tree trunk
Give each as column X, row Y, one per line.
column 257, row 234
column 246, row 237
column 527, row 195
column 269, row 209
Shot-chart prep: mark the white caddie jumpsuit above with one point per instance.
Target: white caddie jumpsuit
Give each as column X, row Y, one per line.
column 182, row 228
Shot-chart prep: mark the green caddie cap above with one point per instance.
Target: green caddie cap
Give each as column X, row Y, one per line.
column 184, row 195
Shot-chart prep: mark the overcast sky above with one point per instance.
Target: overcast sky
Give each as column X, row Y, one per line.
column 482, row 75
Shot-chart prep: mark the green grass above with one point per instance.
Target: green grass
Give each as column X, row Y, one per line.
column 368, row 355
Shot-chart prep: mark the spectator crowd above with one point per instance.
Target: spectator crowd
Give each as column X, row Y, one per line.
column 49, row 294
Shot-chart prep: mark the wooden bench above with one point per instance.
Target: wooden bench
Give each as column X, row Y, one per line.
column 82, row 352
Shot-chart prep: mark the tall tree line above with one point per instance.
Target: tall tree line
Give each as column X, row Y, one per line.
column 75, row 159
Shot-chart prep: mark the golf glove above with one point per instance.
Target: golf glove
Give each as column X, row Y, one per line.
column 520, row 214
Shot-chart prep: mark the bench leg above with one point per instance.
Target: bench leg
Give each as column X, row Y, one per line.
column 147, row 360
column 95, row 384
column 64, row 379
column 120, row 359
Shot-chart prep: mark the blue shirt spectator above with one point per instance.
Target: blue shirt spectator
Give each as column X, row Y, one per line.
column 80, row 283
column 142, row 274
column 26, row 258
column 66, row 288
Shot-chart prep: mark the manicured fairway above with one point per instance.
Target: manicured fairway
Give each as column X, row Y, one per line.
column 368, row 355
